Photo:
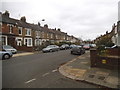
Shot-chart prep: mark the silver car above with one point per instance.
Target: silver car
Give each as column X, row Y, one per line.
column 9, row 48
column 50, row 48
column 5, row 55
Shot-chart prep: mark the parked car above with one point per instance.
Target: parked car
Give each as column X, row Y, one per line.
column 115, row 46
column 92, row 45
column 78, row 50
column 64, row 46
column 9, row 48
column 5, row 55
column 72, row 46
column 86, row 46
column 50, row 48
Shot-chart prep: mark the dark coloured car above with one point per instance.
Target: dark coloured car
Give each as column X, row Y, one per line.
column 78, row 50
column 50, row 48
column 64, row 46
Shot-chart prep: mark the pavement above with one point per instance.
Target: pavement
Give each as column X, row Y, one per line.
column 79, row 69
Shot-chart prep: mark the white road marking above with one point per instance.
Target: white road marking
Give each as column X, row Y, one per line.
column 45, row 74
column 30, row 80
column 54, row 70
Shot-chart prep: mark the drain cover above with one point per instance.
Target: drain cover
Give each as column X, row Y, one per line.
column 91, row 76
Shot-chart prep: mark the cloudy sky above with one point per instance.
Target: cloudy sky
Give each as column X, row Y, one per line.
column 82, row 18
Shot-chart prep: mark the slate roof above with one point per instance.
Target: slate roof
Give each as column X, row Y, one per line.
column 20, row 23
column 9, row 20
column 36, row 27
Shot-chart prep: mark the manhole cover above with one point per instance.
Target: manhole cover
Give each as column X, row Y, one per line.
column 101, row 78
column 91, row 76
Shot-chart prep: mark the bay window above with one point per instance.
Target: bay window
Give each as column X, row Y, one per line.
column 28, row 42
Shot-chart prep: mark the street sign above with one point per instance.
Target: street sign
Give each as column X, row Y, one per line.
column 104, row 61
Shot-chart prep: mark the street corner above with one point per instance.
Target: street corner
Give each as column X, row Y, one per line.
column 73, row 73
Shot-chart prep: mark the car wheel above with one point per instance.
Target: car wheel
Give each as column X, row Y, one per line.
column 80, row 53
column 51, row 50
column 6, row 56
column 71, row 52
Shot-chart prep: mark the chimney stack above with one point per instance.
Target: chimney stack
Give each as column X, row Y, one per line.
column 59, row 29
column 6, row 14
column 46, row 25
column 106, row 32
column 23, row 19
column 38, row 23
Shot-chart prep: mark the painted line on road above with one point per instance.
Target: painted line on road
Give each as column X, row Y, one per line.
column 30, row 80
column 45, row 74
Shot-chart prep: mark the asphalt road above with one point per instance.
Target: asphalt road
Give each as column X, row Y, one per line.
column 39, row 70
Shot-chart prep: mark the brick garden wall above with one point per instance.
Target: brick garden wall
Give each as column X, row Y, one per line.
column 114, row 52
column 24, row 48
column 105, row 62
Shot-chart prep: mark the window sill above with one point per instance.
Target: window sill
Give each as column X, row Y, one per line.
column 29, row 46
column 11, row 33
column 27, row 35
column 20, row 34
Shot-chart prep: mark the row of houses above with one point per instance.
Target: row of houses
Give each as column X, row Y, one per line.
column 26, row 36
column 113, row 35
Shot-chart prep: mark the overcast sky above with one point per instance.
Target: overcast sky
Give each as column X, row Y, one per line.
column 82, row 18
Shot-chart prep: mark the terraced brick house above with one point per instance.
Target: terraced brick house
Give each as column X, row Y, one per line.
column 25, row 36
column 37, row 36
column 17, row 33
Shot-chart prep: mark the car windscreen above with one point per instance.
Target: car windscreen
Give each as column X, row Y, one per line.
column 87, row 45
column 50, row 46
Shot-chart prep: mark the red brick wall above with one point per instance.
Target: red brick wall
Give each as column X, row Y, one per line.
column 111, row 62
column 114, row 51
column 5, row 28
column 24, row 48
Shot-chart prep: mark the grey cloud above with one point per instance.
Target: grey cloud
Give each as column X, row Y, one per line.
column 86, row 18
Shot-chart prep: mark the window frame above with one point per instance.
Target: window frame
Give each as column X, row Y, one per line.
column 19, row 41
column 10, row 27
column 27, row 33
column 20, row 28
column 28, row 43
